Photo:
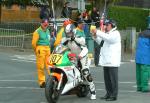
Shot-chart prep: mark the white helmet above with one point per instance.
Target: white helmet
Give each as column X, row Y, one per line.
column 69, row 30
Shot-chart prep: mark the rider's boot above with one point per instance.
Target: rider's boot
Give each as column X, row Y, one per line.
column 93, row 91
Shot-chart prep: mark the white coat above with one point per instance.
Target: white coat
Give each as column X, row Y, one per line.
column 110, row 54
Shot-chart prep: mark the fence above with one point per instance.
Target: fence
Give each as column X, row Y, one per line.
column 11, row 37
column 19, row 34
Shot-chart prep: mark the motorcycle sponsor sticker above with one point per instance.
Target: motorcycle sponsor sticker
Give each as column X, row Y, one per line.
column 68, row 68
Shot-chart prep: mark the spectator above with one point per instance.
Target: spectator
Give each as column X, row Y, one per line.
column 85, row 14
column 143, row 61
column 79, row 17
column 40, row 44
column 86, row 17
column 53, row 38
column 110, row 57
column 95, row 19
column 67, row 11
column 88, row 20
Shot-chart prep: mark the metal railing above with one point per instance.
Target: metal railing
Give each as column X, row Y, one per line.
column 11, row 38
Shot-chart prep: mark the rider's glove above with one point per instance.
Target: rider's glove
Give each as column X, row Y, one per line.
column 79, row 57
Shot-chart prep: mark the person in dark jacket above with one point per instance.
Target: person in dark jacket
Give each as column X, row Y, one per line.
column 95, row 19
column 66, row 11
column 142, row 59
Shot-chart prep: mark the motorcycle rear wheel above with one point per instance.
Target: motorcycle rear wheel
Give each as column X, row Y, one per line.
column 51, row 92
column 83, row 90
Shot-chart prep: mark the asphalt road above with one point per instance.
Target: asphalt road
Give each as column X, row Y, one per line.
column 18, row 82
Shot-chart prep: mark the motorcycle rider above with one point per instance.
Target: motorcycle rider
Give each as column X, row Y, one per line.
column 61, row 32
column 75, row 39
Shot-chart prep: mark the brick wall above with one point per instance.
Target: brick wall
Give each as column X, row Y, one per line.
column 15, row 14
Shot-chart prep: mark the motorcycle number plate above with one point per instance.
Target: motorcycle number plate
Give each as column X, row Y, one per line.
column 55, row 58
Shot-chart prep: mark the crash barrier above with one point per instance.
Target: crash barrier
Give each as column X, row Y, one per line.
column 12, row 38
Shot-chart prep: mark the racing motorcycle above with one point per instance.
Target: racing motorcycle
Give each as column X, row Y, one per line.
column 65, row 75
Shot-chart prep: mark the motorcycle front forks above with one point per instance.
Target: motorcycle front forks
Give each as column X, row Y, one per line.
column 60, row 82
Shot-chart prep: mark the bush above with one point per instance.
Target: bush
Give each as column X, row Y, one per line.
column 129, row 17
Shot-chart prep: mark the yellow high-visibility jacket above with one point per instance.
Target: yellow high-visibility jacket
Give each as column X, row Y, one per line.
column 59, row 37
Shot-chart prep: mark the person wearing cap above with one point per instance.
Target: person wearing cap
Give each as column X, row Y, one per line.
column 95, row 17
column 75, row 40
column 110, row 57
column 41, row 47
column 80, row 27
column 142, row 59
column 61, row 32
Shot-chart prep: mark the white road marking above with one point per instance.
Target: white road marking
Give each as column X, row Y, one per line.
column 17, row 75
column 30, row 57
column 119, row 82
column 23, row 60
column 17, row 80
column 132, row 60
column 136, row 85
column 20, row 88
column 121, row 91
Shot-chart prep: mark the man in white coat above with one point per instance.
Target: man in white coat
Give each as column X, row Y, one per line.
column 110, row 57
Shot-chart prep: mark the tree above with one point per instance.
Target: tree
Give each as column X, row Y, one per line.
column 58, row 5
column 56, row 8
column 100, row 4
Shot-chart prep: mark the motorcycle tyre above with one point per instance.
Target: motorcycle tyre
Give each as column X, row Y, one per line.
column 83, row 90
column 49, row 90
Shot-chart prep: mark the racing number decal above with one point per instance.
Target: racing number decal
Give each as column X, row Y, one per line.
column 55, row 58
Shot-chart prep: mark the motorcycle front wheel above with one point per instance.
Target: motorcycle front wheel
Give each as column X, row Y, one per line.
column 51, row 92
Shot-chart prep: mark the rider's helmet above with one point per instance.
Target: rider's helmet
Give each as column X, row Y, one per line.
column 69, row 30
column 66, row 22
